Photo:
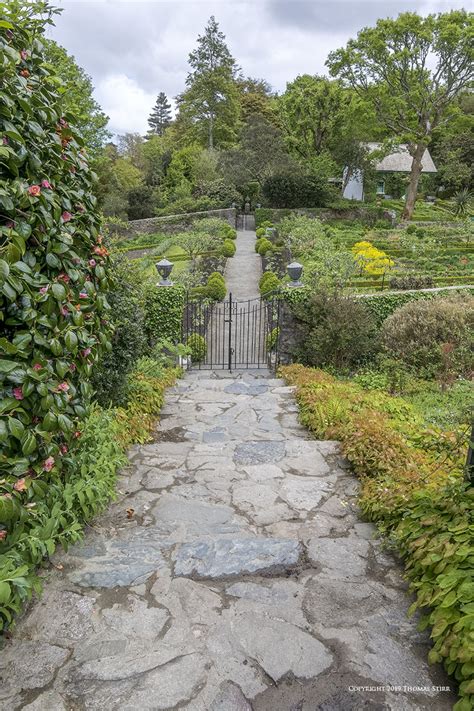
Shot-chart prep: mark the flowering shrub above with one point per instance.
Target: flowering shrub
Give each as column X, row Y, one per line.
column 53, row 308
column 413, row 488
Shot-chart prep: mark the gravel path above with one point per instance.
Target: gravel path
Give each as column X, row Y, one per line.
column 232, row 574
column 244, row 269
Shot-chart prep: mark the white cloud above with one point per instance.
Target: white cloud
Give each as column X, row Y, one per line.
column 125, row 102
column 133, row 49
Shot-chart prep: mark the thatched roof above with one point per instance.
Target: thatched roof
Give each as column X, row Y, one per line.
column 400, row 160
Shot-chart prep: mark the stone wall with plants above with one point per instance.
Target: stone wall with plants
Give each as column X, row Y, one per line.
column 171, row 224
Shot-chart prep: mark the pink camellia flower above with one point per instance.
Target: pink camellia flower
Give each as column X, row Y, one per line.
column 48, row 464
column 24, row 54
column 92, row 262
column 86, row 352
column 63, row 387
column 44, row 289
column 5, row 140
column 46, row 184
column 76, row 434
column 73, row 367
column 37, row 366
column 64, row 277
column 63, row 448
column 64, row 311
column 83, row 295
column 3, row 534
column 34, row 190
column 18, row 393
column 66, row 216
column 20, row 485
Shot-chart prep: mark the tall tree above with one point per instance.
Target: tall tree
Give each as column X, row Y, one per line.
column 160, row 117
column 311, row 112
column 77, row 96
column 256, row 96
column 210, row 101
column 412, row 69
column 260, row 154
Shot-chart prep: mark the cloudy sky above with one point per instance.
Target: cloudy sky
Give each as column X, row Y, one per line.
column 135, row 49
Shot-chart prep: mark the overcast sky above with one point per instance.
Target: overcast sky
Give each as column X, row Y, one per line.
column 135, row 49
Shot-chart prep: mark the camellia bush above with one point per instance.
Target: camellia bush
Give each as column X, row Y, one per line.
column 53, row 308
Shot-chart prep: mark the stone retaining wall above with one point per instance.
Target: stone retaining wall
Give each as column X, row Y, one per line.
column 171, row 224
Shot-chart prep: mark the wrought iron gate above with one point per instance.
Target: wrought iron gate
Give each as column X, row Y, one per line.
column 232, row 335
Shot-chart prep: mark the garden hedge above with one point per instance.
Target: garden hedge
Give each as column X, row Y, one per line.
column 53, row 308
column 381, row 304
column 164, row 306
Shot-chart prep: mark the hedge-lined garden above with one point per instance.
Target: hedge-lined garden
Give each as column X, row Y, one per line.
column 72, row 342
column 412, row 486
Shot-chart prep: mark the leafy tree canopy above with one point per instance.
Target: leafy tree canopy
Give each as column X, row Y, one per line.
column 411, row 69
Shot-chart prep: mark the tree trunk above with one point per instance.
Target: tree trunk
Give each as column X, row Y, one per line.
column 416, row 168
column 211, row 133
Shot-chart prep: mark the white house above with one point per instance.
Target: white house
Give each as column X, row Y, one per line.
column 397, row 162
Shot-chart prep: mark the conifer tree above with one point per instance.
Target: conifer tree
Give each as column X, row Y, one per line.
column 160, row 116
column 210, row 103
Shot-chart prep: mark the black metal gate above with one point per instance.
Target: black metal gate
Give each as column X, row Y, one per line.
column 232, row 335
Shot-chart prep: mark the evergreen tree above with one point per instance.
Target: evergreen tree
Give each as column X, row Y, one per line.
column 209, row 106
column 160, row 117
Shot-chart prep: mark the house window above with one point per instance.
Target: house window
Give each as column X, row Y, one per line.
column 381, row 187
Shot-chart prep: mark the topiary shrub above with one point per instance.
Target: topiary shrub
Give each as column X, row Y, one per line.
column 421, row 332
column 198, row 347
column 228, row 248
column 269, row 282
column 258, row 242
column 264, row 246
column 338, row 331
column 215, row 287
column 260, row 232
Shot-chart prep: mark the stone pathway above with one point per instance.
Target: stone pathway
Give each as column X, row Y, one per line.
column 232, row 574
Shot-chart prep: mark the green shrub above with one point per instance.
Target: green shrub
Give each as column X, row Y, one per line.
column 228, row 248
column 337, row 331
column 215, row 287
column 420, row 501
column 198, row 347
column 382, row 305
column 269, row 282
column 423, row 333
column 271, row 339
column 258, row 242
column 260, row 232
column 53, row 308
column 264, row 246
column 164, row 307
column 291, row 190
column 129, row 341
